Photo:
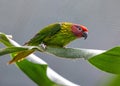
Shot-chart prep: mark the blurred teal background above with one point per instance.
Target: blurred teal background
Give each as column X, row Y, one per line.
column 23, row 18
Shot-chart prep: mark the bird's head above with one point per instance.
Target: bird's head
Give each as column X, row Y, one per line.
column 79, row 30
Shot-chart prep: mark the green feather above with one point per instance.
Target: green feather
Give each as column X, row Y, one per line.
column 54, row 35
column 48, row 31
column 62, row 37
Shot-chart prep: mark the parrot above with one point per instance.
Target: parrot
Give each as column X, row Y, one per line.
column 57, row 35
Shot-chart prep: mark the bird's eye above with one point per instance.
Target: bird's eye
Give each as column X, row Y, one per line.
column 79, row 28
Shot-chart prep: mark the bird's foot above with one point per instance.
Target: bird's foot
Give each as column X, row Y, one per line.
column 43, row 46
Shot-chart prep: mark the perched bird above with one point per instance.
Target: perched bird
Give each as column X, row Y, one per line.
column 57, row 35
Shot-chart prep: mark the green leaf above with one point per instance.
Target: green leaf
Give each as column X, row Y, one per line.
column 11, row 50
column 36, row 72
column 108, row 61
column 72, row 53
column 69, row 53
column 4, row 39
column 114, row 82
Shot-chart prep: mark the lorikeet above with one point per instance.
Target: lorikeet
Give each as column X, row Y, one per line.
column 57, row 35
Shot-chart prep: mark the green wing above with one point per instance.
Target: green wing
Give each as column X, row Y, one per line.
column 50, row 30
column 36, row 40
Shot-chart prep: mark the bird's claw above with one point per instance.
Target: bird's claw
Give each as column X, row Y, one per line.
column 43, row 46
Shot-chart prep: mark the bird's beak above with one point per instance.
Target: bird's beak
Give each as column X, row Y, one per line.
column 85, row 35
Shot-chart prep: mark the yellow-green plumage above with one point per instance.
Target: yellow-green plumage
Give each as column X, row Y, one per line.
column 58, row 34
column 62, row 37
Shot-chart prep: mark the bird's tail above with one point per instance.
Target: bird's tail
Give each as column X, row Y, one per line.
column 21, row 55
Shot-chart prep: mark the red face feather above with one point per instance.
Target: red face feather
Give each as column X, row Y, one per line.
column 79, row 30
